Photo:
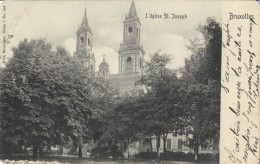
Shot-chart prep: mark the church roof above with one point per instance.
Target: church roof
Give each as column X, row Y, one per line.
column 132, row 12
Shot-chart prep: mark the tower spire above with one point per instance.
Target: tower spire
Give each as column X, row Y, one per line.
column 85, row 20
column 84, row 53
column 131, row 60
column 132, row 12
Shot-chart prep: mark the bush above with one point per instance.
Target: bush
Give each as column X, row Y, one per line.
column 6, row 161
column 73, row 152
column 146, row 155
column 106, row 152
column 115, row 152
column 11, row 149
column 100, row 152
column 178, row 156
column 208, row 157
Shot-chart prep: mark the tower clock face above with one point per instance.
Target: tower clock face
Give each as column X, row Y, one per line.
column 130, row 31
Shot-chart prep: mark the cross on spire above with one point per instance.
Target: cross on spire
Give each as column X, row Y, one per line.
column 104, row 57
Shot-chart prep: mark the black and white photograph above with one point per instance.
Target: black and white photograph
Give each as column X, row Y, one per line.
column 131, row 81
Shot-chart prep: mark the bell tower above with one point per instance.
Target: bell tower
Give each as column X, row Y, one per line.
column 84, row 54
column 131, row 53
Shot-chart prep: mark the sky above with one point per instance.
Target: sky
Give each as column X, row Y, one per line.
column 58, row 21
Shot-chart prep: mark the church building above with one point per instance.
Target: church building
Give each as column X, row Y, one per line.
column 130, row 68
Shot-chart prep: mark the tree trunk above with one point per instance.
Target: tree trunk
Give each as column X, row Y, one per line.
column 35, row 151
column 40, row 152
column 196, row 139
column 80, row 151
column 196, row 148
column 158, row 147
column 25, row 150
column 128, row 142
column 151, row 144
column 98, row 144
column 61, row 150
column 164, row 142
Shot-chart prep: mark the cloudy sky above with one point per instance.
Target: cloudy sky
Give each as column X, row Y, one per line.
column 57, row 21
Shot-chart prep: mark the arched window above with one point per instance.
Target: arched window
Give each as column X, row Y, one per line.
column 130, row 29
column 128, row 62
column 141, row 63
column 82, row 39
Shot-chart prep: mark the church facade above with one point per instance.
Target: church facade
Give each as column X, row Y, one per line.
column 131, row 52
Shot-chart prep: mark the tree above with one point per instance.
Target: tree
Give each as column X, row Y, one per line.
column 127, row 112
column 25, row 105
column 201, row 86
column 161, row 111
column 46, row 98
column 205, row 61
column 201, row 107
column 71, row 97
column 118, row 123
column 105, row 100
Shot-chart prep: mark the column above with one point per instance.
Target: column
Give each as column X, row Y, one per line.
column 136, row 63
column 138, row 60
column 139, row 35
column 119, row 64
column 125, row 35
column 123, row 64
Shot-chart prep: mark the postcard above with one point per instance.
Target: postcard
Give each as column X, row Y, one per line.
column 129, row 81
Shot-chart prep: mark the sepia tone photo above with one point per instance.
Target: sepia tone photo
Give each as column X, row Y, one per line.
column 131, row 81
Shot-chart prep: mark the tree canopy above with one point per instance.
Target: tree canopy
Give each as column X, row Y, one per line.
column 45, row 97
column 201, row 87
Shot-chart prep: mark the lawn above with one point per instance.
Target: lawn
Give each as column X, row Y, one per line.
column 75, row 160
